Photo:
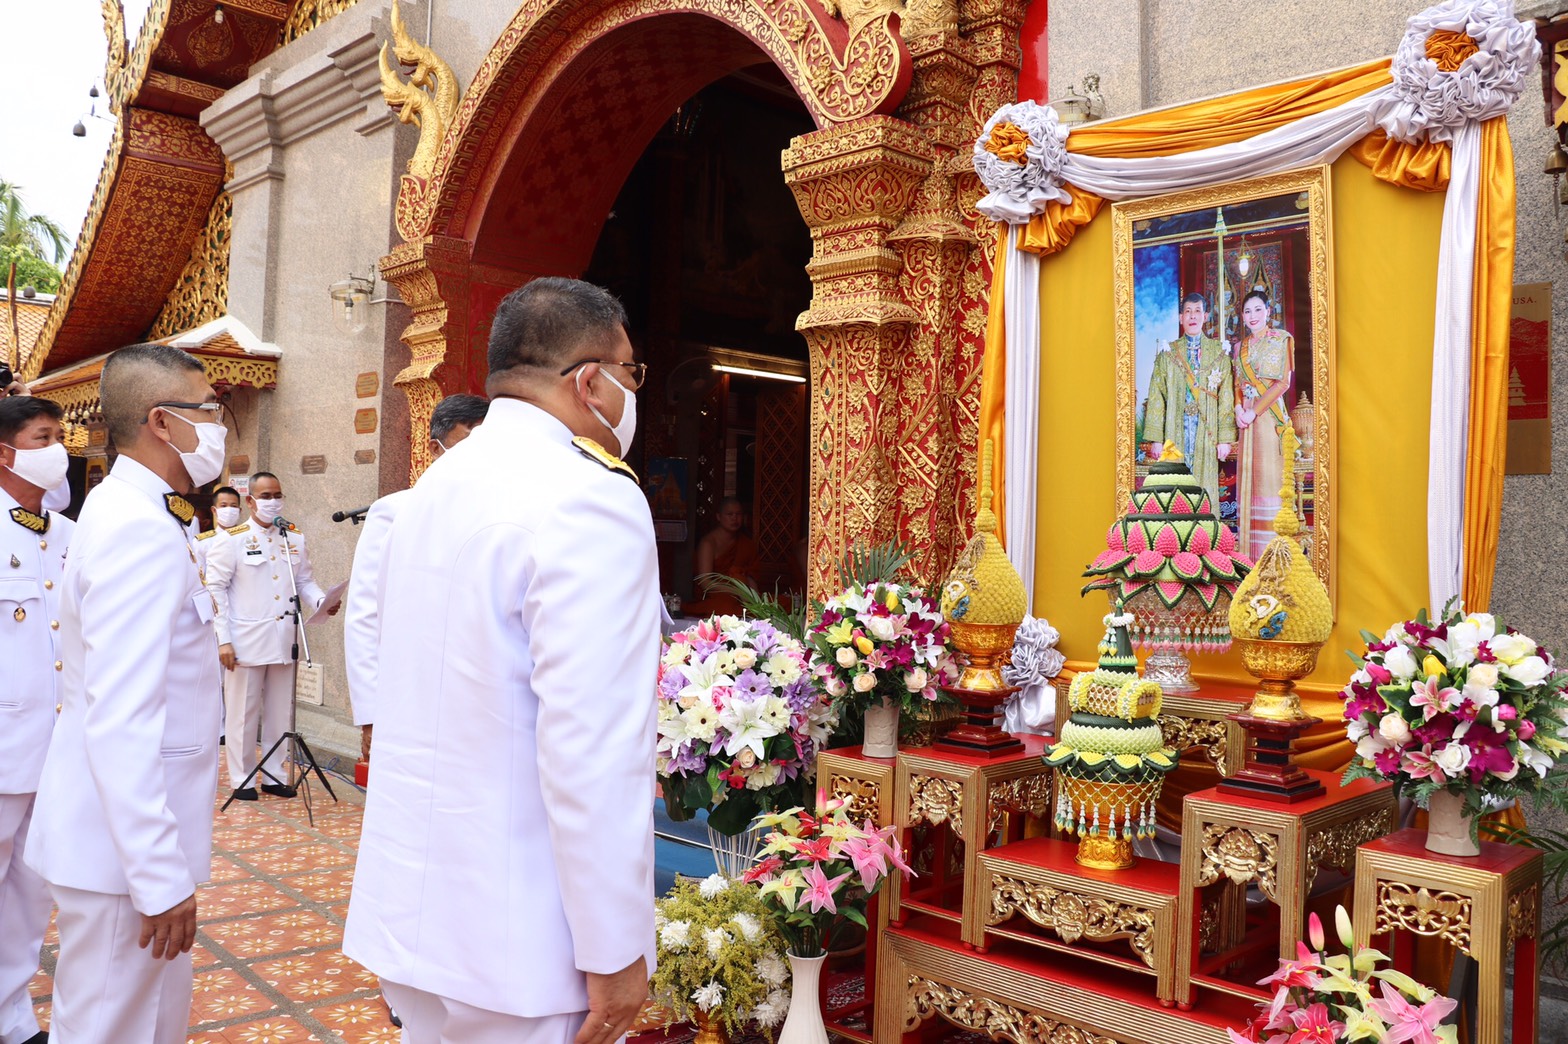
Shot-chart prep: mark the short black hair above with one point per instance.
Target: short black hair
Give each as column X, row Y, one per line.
column 453, row 410
column 549, row 321
column 258, row 476
column 18, row 411
column 1195, row 298
column 226, row 489
column 1261, row 295
column 134, row 380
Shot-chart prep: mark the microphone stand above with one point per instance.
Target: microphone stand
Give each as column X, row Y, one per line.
column 299, row 751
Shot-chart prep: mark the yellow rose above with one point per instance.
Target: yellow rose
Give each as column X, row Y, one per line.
column 1434, row 667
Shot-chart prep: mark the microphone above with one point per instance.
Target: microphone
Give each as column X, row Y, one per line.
column 355, row 515
column 281, row 523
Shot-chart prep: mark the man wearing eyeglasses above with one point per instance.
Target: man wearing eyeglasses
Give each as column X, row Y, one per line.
column 122, row 826
column 248, row 574
column 504, row 889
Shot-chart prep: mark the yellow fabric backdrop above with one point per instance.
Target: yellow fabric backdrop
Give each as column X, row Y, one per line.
column 1385, row 244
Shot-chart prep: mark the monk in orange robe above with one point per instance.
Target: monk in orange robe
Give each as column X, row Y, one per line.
column 729, row 551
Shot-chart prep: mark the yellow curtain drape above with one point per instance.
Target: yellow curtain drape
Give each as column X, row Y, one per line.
column 1424, row 167
column 1489, row 329
column 993, row 383
column 1053, row 229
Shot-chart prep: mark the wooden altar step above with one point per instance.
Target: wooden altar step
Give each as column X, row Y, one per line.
column 1035, row 893
column 1028, row 994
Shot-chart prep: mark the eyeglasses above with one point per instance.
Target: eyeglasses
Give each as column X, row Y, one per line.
column 268, row 496
column 207, row 407
column 637, row 371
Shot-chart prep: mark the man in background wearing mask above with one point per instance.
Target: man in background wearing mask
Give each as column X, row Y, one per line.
column 122, row 828
column 453, row 420
column 248, row 575
column 33, row 544
column 519, row 628
column 225, row 515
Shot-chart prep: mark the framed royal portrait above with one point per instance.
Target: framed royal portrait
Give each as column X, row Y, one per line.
column 1224, row 342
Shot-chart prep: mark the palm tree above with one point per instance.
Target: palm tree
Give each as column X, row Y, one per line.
column 36, row 234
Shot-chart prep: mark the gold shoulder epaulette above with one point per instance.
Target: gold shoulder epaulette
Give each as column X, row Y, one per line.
column 597, row 453
column 237, row 530
column 208, row 535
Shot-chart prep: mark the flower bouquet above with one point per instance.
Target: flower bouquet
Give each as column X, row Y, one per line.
column 1461, row 713
column 816, row 873
column 720, row 957
column 1346, row 997
column 740, row 722
column 878, row 648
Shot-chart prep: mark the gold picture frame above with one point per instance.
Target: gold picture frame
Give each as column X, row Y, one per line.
column 1280, row 223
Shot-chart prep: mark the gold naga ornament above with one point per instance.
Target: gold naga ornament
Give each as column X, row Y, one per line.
column 1280, row 617
column 983, row 601
column 427, row 100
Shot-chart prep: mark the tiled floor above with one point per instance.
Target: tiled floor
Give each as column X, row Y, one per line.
column 268, row 965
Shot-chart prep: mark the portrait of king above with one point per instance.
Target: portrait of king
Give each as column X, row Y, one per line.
column 1191, row 398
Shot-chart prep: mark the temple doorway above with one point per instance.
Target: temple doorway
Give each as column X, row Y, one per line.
column 708, row 250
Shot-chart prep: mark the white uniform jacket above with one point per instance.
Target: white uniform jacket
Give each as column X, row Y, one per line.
column 248, row 575
column 362, row 614
column 125, row 803
column 204, row 543
column 32, row 566
column 508, row 839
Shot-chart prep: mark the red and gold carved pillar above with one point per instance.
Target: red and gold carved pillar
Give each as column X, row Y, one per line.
column 854, row 184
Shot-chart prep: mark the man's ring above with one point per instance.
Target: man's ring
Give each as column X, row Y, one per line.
column 609, row 1025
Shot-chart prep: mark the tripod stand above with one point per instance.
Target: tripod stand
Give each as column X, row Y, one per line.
column 300, row 758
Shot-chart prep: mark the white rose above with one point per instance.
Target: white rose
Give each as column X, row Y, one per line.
column 1453, row 759
column 1357, row 730
column 1361, row 677
column 1393, row 729
column 846, row 657
column 916, row 679
column 835, row 686
column 746, row 758
column 882, row 628
column 1529, row 672
column 1511, row 648
column 1482, row 676
column 865, row 682
column 745, row 659
column 1486, row 623
column 1400, row 663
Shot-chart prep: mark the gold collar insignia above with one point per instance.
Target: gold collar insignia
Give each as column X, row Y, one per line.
column 27, row 520
column 179, row 507
column 597, row 453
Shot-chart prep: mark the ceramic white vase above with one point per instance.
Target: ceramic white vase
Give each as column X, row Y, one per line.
column 881, row 735
column 1448, row 827
column 803, row 1023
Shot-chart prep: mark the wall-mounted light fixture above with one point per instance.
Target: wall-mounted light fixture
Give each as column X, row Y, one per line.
column 739, row 363
column 351, row 303
column 770, row 375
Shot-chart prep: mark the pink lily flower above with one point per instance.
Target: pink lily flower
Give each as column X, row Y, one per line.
column 819, row 889
column 1410, row 1022
column 1418, row 764
column 1313, row 1026
column 1300, row 972
column 885, row 843
column 1432, row 698
column 867, row 861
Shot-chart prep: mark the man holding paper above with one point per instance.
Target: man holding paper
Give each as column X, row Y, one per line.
column 248, row 572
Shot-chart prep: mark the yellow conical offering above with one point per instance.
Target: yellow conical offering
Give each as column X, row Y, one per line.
column 983, row 598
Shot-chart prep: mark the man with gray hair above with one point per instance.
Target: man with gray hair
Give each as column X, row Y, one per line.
column 453, row 420
column 122, row 827
column 519, row 631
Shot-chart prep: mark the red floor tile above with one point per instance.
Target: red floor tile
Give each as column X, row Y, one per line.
column 278, row 1030
column 358, row 1020
column 222, row 994
column 323, row 886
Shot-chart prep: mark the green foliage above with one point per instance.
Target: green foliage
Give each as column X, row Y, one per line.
column 756, row 604
column 867, row 566
column 30, row 270
column 744, row 958
column 36, row 234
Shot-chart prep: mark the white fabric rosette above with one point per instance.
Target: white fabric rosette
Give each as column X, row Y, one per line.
column 1431, row 104
column 1036, row 660
column 1018, row 191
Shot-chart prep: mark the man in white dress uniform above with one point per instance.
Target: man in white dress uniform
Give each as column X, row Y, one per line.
column 33, row 544
column 122, row 828
column 248, row 575
column 504, row 890
column 453, row 420
column 225, row 513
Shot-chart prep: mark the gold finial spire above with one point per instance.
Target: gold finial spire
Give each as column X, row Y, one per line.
column 1286, row 523
column 985, row 517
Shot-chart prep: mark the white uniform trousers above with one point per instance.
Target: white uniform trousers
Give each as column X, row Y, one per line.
column 106, row 987
column 431, row 1019
column 24, row 917
column 251, row 694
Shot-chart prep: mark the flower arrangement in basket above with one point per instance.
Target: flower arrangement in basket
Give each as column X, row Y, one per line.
column 740, row 721
column 1460, row 713
column 1338, row 999
column 720, row 957
column 878, row 648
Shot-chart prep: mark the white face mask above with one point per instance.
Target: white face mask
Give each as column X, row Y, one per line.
column 44, row 467
column 205, row 463
column 264, row 511
column 627, row 428
column 226, row 516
